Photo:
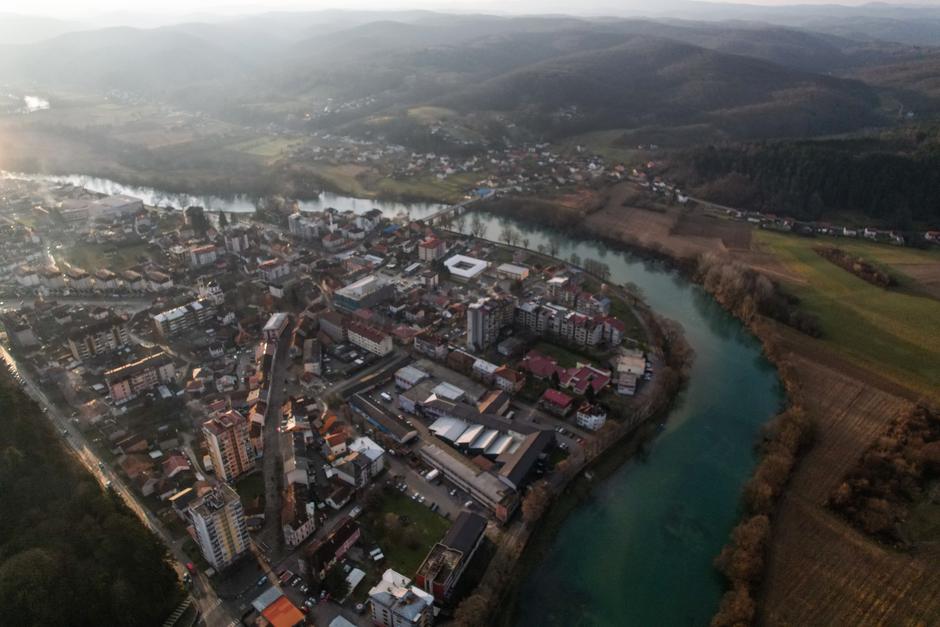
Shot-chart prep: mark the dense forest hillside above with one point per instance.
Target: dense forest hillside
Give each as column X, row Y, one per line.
column 70, row 554
column 659, row 81
column 893, row 179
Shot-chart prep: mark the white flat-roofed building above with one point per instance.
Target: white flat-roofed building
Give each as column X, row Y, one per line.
column 464, row 268
column 448, row 392
column 448, row 429
column 275, row 326
column 512, row 271
column 409, row 376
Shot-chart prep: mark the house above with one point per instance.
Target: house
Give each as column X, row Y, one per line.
column 202, row 255
column 557, row 403
column 508, row 380
column 590, row 416
column 373, row 452
column 273, row 269
column 323, row 554
column 409, row 376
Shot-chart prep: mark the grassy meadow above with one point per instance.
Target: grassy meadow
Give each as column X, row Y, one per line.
column 888, row 331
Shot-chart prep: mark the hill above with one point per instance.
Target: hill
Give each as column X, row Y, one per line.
column 652, row 81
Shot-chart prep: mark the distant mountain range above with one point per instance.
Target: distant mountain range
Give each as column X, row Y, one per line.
column 828, row 70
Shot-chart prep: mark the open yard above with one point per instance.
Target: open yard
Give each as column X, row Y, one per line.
column 883, row 330
column 404, row 529
column 91, row 257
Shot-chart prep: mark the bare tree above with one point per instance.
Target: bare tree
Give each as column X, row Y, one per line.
column 554, row 244
column 525, row 243
column 477, row 226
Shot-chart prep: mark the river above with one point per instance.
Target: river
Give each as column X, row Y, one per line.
column 640, row 552
column 232, row 204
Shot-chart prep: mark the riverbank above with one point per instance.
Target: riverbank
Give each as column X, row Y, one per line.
column 851, row 406
column 665, row 520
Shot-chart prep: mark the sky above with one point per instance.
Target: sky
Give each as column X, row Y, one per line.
column 79, row 9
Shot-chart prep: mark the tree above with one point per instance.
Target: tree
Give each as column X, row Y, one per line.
column 536, row 501
column 525, row 243
column 461, row 221
column 506, row 234
column 554, row 245
column 335, row 583
column 223, row 220
column 477, row 226
column 473, row 611
column 574, row 259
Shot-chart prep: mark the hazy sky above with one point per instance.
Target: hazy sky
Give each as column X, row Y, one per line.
column 76, row 9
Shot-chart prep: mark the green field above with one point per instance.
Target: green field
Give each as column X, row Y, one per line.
column 405, row 547
column 564, row 357
column 893, row 333
column 268, row 147
column 91, row 257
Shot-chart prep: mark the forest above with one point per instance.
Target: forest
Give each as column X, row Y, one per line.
column 70, row 553
column 893, row 181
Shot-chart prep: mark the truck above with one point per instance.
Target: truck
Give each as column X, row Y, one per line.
column 431, row 476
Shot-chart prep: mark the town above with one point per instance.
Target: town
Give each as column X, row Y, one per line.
column 331, row 420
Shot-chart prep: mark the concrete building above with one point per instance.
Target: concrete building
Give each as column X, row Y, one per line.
column 486, row 318
column 181, row 319
column 229, row 444
column 130, row 380
column 366, row 292
column 512, row 271
column 441, row 570
column 275, row 326
column 464, row 268
column 431, row 248
column 369, row 338
column 590, row 416
column 397, row 603
column 219, row 522
column 203, row 255
column 98, row 337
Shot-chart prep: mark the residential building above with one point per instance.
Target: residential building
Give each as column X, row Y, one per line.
column 130, row 380
column 369, row 338
column 486, row 318
column 227, row 437
column 236, row 240
column 557, row 403
column 397, row 603
column 273, row 269
column 178, row 320
column 219, row 522
column 431, row 248
column 98, row 337
column 323, row 554
column 448, row 559
column 590, row 416
column 508, row 380
column 203, row 255
column 434, row 346
column 298, row 514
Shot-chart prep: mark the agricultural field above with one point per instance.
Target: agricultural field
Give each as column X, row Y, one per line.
column 266, row 147
column 820, row 569
column 883, row 330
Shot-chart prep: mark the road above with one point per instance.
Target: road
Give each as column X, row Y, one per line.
column 271, row 533
column 210, row 606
